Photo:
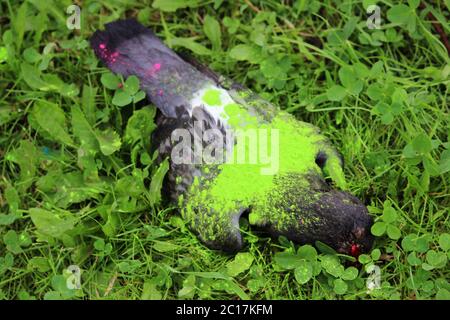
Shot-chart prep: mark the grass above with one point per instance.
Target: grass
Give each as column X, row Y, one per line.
column 78, row 185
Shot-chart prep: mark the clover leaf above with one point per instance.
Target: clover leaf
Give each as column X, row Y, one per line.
column 125, row 93
column 387, row 223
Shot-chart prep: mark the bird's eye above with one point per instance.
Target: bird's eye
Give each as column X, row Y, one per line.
column 321, row 158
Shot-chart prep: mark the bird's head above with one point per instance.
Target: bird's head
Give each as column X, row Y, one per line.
column 306, row 209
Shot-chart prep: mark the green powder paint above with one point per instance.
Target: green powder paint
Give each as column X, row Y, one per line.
column 237, row 186
column 242, row 184
column 212, row 97
column 334, row 170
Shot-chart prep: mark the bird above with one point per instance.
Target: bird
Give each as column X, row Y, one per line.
column 233, row 154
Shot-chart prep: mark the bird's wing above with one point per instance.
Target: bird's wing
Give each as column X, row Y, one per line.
column 128, row 48
column 188, row 181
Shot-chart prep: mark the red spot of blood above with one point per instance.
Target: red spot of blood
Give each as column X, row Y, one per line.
column 354, row 250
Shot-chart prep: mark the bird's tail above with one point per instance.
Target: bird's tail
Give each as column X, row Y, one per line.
column 128, row 48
